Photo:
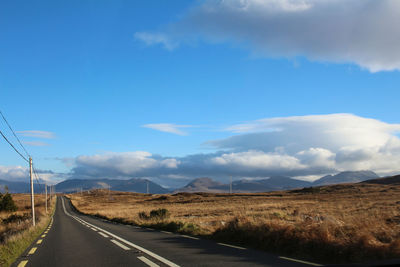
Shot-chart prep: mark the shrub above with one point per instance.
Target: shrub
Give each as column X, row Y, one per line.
column 7, row 203
column 159, row 214
column 16, row 218
column 309, row 190
column 143, row 215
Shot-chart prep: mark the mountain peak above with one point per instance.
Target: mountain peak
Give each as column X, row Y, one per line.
column 346, row 177
column 203, row 184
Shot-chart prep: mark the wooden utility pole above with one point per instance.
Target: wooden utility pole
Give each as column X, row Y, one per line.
column 32, row 193
column 45, row 189
column 230, row 186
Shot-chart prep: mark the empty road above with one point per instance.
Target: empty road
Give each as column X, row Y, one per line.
column 73, row 239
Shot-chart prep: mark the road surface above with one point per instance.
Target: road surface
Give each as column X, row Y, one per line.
column 73, row 239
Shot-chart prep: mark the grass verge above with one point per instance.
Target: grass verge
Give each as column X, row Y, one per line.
column 15, row 245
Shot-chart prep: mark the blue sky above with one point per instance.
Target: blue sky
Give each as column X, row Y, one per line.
column 82, row 71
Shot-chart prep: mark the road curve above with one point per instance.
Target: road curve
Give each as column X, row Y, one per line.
column 73, row 239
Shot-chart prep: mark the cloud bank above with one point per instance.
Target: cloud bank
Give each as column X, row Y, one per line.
column 21, row 174
column 294, row 146
column 13, row 173
column 364, row 32
column 299, row 146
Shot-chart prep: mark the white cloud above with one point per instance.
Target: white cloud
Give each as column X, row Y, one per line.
column 37, row 134
column 156, row 38
column 138, row 163
column 294, row 134
column 168, row 128
column 364, row 32
column 317, row 158
column 35, row 143
column 303, row 146
column 14, row 173
column 335, row 141
column 21, row 174
column 258, row 160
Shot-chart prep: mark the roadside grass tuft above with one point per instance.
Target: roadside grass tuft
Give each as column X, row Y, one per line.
column 19, row 234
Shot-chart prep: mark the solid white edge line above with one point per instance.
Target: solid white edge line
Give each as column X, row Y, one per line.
column 119, row 244
column 300, row 261
column 148, row 252
column 165, row 232
column 231, row 246
column 148, row 262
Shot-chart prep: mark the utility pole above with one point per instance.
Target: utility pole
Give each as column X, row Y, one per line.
column 32, row 196
column 147, row 185
column 45, row 189
column 230, row 186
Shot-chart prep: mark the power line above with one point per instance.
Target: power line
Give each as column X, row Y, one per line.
column 36, row 176
column 16, row 150
column 5, row 138
column 30, row 166
column 9, row 126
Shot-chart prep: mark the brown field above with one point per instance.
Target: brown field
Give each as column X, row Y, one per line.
column 341, row 223
column 12, row 223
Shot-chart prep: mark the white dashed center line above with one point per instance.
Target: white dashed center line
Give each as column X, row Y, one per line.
column 148, row 262
column 119, row 244
column 104, row 235
column 300, row 261
column 232, row 246
column 191, row 237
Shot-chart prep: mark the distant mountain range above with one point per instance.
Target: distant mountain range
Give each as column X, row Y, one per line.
column 275, row 183
column 204, row 184
column 20, row 187
column 75, row 185
column 131, row 185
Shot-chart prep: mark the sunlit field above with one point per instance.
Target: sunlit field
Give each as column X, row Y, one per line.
column 341, row 223
column 15, row 222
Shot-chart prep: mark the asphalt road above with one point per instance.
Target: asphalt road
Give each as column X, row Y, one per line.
column 77, row 240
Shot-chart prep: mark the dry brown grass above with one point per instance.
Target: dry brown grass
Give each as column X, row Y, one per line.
column 24, row 220
column 16, row 230
column 340, row 223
